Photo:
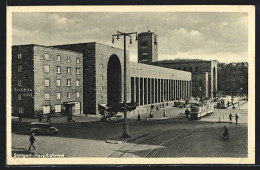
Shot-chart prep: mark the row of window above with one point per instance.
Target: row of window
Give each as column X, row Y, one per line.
column 47, row 69
column 58, row 82
column 47, row 57
column 190, row 69
column 58, row 95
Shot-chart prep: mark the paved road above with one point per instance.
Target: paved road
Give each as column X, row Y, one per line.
column 168, row 138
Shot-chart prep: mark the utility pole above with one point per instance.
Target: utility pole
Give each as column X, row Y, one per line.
column 125, row 125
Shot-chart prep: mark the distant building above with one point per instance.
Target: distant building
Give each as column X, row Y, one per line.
column 204, row 74
column 46, row 80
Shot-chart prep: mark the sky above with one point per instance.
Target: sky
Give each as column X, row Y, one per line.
column 221, row 36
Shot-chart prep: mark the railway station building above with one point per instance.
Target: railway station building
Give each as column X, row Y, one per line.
column 92, row 74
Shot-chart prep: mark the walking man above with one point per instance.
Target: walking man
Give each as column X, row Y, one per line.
column 164, row 113
column 225, row 134
column 20, row 117
column 230, row 117
column 187, row 112
column 139, row 118
column 32, row 140
column 40, row 117
column 236, row 118
column 49, row 117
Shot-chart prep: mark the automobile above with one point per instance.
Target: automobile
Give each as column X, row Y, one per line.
column 175, row 104
column 43, row 129
column 181, row 105
column 115, row 118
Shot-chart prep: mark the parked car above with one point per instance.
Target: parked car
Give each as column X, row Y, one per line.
column 115, row 118
column 43, row 129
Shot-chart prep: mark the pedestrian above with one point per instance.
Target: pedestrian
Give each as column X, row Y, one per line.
column 139, row 118
column 164, row 113
column 236, row 118
column 230, row 117
column 20, row 117
column 40, row 117
column 225, row 134
column 32, row 140
column 187, row 112
column 48, row 117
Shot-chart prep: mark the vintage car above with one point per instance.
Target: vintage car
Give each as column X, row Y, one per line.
column 43, row 129
column 115, row 118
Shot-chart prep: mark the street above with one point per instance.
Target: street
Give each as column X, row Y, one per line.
column 176, row 136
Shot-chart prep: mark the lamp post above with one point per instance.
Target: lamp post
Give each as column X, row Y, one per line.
column 125, row 126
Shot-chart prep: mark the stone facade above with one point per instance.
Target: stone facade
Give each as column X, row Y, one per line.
column 101, row 78
column 40, row 74
column 95, row 63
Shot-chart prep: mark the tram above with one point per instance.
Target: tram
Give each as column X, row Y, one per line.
column 224, row 102
column 198, row 111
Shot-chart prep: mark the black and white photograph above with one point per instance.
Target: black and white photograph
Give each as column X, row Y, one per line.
column 130, row 85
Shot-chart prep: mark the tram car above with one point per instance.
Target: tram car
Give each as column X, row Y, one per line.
column 235, row 100
column 224, row 102
column 198, row 111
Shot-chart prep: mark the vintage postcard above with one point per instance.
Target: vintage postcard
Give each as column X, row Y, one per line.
column 130, row 85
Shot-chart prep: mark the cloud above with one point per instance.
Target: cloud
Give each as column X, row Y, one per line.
column 183, row 33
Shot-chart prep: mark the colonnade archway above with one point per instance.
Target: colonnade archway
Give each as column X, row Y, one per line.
column 114, row 80
column 146, row 91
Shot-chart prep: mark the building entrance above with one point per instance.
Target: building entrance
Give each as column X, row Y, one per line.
column 114, row 80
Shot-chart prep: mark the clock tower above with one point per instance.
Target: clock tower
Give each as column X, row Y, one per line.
column 147, row 47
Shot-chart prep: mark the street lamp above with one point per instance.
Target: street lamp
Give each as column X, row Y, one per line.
column 125, row 126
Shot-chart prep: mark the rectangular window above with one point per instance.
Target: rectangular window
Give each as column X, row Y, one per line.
column 57, row 108
column 144, row 53
column 144, row 47
column 101, row 65
column 68, row 95
column 101, row 88
column 19, row 68
column 77, row 60
column 20, row 82
column 58, row 82
column 58, row 69
column 68, row 59
column 20, row 110
column 77, row 70
column 19, row 96
column 46, row 69
column 144, row 60
column 58, row 95
column 58, row 57
column 68, row 70
column 190, row 69
column 46, row 83
column 46, row 96
column 68, row 82
column 46, row 57
column 20, row 56
column 77, row 83
column 46, row 109
column 77, row 94
column 184, row 68
column 197, row 68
